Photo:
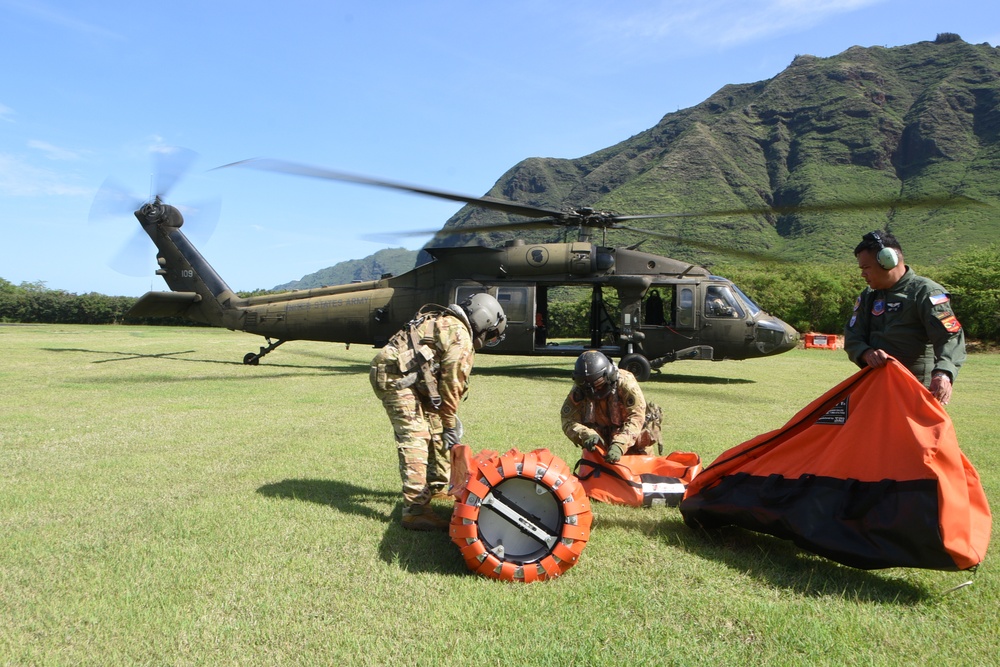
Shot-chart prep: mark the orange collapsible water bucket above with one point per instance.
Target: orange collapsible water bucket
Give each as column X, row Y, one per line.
column 518, row 516
column 870, row 474
column 638, row 480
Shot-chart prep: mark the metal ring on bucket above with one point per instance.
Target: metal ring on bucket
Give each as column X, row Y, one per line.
column 521, row 517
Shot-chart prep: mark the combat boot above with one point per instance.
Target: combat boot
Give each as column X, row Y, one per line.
column 422, row 517
column 441, row 493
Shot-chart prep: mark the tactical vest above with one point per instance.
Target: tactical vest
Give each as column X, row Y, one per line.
column 416, row 356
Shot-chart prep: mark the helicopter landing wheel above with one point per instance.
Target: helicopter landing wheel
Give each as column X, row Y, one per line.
column 638, row 365
column 253, row 358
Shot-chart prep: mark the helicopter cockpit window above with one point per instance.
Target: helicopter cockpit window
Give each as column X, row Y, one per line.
column 753, row 307
column 685, row 307
column 720, row 302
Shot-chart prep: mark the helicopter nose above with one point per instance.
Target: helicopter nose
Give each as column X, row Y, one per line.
column 774, row 336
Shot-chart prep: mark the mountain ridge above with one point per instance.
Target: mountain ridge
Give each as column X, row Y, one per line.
column 868, row 124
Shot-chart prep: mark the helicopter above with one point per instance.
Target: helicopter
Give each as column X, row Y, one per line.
column 646, row 310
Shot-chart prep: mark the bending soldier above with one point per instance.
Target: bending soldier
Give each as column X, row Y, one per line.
column 420, row 376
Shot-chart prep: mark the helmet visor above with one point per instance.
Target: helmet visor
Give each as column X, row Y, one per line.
column 493, row 338
column 596, row 388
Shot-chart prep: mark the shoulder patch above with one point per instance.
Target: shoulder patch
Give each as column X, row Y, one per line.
column 950, row 322
column 938, row 299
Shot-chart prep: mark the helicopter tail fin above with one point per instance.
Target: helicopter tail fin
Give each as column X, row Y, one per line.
column 197, row 293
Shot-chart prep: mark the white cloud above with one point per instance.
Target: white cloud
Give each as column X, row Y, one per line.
column 5, row 113
column 41, row 12
column 53, row 152
column 20, row 179
column 726, row 23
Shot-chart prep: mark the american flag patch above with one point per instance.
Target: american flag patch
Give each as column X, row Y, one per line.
column 938, row 299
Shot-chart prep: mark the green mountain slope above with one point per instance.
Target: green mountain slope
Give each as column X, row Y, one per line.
column 391, row 260
column 869, row 124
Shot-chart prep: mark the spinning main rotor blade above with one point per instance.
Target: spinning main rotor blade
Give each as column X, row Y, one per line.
column 599, row 220
column 547, row 218
column 282, row 166
column 712, row 247
column 831, row 207
column 586, row 216
column 541, row 224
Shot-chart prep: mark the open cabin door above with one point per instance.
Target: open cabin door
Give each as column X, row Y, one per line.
column 518, row 302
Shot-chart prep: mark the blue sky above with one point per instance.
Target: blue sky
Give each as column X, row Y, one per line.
column 446, row 94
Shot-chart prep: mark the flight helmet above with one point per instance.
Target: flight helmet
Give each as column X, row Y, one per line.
column 487, row 319
column 595, row 375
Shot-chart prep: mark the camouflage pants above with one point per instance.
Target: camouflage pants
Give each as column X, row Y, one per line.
column 424, row 463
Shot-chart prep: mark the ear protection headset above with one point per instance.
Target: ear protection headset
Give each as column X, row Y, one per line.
column 887, row 258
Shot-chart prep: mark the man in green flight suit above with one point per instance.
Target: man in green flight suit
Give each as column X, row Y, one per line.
column 904, row 316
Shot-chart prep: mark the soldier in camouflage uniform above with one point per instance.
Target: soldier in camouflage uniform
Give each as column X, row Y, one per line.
column 606, row 409
column 903, row 316
column 420, row 376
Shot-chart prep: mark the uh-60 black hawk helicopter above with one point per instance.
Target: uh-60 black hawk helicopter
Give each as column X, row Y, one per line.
column 667, row 310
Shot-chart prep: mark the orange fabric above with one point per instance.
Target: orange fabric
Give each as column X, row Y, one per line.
column 621, row 483
column 879, row 424
column 478, row 475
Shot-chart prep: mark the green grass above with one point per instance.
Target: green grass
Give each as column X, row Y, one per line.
column 161, row 503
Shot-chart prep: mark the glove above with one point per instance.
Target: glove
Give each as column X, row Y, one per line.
column 615, row 452
column 592, row 442
column 451, row 436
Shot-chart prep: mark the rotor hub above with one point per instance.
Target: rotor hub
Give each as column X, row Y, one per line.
column 158, row 213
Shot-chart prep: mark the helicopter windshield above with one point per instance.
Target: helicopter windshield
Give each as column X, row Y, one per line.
column 753, row 307
column 720, row 302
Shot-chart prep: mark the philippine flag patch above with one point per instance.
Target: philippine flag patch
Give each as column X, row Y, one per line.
column 938, row 299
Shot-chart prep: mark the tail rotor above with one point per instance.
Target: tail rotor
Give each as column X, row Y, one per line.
column 114, row 204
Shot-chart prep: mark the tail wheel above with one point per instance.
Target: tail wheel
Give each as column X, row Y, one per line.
column 521, row 517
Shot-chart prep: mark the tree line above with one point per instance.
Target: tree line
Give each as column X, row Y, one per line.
column 820, row 297
column 34, row 303
column 810, row 297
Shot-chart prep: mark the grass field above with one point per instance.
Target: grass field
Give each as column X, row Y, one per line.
column 163, row 504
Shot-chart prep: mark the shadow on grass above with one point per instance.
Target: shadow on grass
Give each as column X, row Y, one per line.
column 409, row 550
column 775, row 561
column 566, row 372
column 347, row 368
column 350, row 367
